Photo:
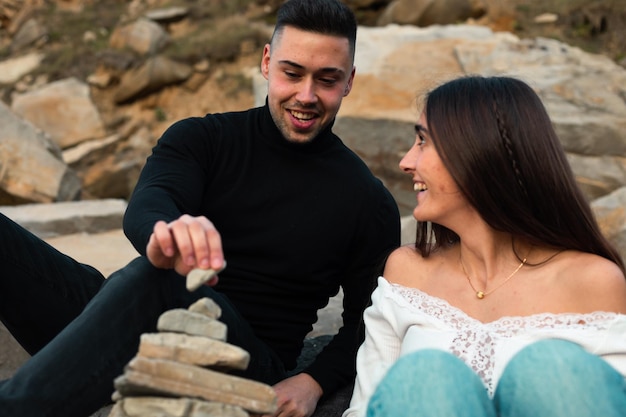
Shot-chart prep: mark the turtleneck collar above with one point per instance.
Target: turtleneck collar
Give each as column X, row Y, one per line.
column 270, row 133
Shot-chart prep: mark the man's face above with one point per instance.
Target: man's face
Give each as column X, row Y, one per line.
column 308, row 75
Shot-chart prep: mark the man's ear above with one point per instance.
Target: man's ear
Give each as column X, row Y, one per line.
column 265, row 61
column 350, row 81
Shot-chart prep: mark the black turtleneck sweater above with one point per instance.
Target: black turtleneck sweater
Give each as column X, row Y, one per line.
column 296, row 220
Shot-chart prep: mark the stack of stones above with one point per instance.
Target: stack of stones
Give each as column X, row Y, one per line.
column 181, row 371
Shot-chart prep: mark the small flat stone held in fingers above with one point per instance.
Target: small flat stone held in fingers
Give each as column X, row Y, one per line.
column 197, row 277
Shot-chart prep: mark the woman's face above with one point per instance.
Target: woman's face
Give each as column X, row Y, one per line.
column 438, row 196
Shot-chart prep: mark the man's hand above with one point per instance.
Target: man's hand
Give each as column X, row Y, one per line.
column 184, row 244
column 297, row 396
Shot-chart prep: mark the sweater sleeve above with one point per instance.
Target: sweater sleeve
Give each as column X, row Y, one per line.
column 335, row 366
column 380, row 349
column 171, row 182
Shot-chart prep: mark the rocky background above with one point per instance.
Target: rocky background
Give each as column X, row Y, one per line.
column 87, row 87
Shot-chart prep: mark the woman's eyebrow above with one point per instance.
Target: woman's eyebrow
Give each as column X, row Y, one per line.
column 420, row 129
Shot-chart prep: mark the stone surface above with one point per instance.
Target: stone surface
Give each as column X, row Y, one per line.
column 11, row 70
column 207, row 307
column 109, row 167
column 197, row 277
column 430, row 12
column 168, row 14
column 332, row 406
column 181, row 320
column 611, row 210
column 71, row 217
column 31, row 168
column 194, row 350
column 173, row 407
column 153, row 75
column 143, row 36
column 173, row 362
column 171, row 378
column 63, row 109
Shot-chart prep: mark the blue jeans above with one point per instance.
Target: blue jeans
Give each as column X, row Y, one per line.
column 81, row 329
column 549, row 378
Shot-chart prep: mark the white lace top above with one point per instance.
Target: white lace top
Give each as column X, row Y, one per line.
column 402, row 320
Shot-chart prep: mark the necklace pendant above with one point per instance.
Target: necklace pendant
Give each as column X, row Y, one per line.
column 480, row 295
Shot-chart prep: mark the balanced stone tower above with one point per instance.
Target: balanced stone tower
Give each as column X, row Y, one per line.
column 182, row 371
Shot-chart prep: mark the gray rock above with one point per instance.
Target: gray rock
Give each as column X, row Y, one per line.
column 173, row 407
column 382, row 143
column 430, row 12
column 611, row 213
column 154, row 74
column 167, row 15
column 184, row 321
column 110, row 167
column 598, row 175
column 207, row 307
column 28, row 34
column 194, row 350
column 31, row 169
column 48, row 220
column 156, row 376
column 143, row 36
column 63, row 109
column 12, row 69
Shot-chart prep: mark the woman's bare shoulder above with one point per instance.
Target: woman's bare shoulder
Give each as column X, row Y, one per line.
column 403, row 253
column 407, row 266
column 593, row 269
column 400, row 262
column 597, row 283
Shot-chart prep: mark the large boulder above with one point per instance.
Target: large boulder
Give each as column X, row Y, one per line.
column 63, row 109
column 31, row 167
column 583, row 94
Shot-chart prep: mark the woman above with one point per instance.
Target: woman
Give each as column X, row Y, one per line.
column 511, row 302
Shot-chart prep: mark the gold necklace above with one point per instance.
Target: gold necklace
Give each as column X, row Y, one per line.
column 482, row 294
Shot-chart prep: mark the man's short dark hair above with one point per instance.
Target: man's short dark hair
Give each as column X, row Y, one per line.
column 327, row 17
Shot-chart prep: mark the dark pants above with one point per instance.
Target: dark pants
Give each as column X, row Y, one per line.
column 82, row 329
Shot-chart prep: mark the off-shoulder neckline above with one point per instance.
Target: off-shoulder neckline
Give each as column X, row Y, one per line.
column 582, row 318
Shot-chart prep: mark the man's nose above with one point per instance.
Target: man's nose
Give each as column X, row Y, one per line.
column 306, row 92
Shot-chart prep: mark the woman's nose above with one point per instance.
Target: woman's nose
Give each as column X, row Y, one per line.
column 407, row 163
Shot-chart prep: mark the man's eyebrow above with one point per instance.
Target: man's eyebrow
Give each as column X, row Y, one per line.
column 296, row 65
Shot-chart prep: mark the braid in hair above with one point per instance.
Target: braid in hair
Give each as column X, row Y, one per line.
column 508, row 145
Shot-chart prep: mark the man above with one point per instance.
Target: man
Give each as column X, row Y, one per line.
column 270, row 190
